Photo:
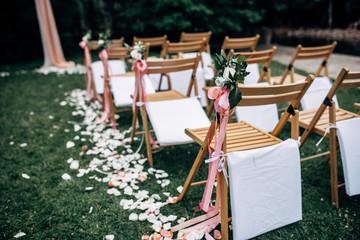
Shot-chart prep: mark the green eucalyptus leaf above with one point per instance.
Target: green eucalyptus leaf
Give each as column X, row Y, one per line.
column 234, row 97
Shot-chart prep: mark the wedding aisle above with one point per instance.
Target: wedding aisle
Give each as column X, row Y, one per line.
column 63, row 177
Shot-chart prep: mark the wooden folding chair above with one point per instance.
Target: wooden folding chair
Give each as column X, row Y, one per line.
column 178, row 48
column 165, row 67
column 114, row 43
column 121, row 84
column 306, row 53
column 243, row 136
column 189, row 37
column 319, row 120
column 152, row 41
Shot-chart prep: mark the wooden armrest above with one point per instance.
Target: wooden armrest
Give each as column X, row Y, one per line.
column 357, row 105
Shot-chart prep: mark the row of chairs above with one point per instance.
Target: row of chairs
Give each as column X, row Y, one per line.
column 183, row 112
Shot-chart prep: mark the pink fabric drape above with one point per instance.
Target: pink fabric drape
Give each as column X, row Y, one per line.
column 53, row 53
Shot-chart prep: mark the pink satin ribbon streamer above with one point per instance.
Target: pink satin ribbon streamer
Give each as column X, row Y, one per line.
column 140, row 68
column 87, row 62
column 212, row 217
column 106, row 114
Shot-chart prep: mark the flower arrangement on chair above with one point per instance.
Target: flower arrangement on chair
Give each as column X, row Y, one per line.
column 226, row 94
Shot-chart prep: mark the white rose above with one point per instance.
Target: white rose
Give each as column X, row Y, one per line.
column 228, row 70
column 133, row 54
column 137, row 48
column 219, row 81
column 138, row 56
column 101, row 42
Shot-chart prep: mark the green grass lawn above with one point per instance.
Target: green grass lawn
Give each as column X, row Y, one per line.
column 48, row 207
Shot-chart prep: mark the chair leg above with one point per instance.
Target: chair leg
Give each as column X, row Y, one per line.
column 147, row 135
column 333, row 159
column 210, row 108
column 199, row 159
column 133, row 125
column 224, row 208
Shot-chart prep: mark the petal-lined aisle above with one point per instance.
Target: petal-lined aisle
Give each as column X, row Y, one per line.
column 123, row 169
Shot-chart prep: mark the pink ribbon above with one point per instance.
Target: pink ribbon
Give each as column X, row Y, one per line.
column 107, row 91
column 212, row 217
column 87, row 62
column 140, row 68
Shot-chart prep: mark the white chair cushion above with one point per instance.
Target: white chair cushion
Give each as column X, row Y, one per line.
column 254, row 74
column 264, row 117
column 123, row 87
column 115, row 67
column 170, row 118
column 316, row 94
column 265, row 189
column 348, row 133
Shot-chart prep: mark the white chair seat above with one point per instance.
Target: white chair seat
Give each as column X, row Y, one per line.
column 316, row 94
column 264, row 117
column 170, row 118
column 265, row 189
column 123, row 87
column 348, row 132
column 115, row 67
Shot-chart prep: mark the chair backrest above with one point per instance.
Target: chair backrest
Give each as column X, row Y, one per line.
column 115, row 43
column 152, row 41
column 264, row 57
column 182, row 47
column 307, row 53
column 263, row 95
column 345, row 79
column 166, row 66
column 240, row 43
column 189, row 37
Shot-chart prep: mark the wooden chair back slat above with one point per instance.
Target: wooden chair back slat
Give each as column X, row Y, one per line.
column 114, row 43
column 182, row 47
column 189, row 37
column 153, row 41
column 240, row 43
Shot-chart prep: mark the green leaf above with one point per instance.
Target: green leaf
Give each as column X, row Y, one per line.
column 234, row 97
column 223, row 57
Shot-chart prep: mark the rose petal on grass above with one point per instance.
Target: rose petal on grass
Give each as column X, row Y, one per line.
column 179, row 189
column 89, row 188
column 19, row 235
column 70, row 144
column 66, row 176
column 24, row 175
column 133, row 217
column 91, row 209
column 74, row 164
column 109, row 237
column 23, row 145
column 11, row 143
column 51, row 117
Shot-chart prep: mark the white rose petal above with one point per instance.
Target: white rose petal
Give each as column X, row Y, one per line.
column 77, row 127
column 51, row 117
column 23, row 145
column 70, row 144
column 133, row 217
column 109, row 237
column 24, row 175
column 19, row 235
column 66, row 176
column 179, row 189
column 74, row 164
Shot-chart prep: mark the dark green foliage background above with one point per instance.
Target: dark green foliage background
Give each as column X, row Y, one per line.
column 20, row 38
